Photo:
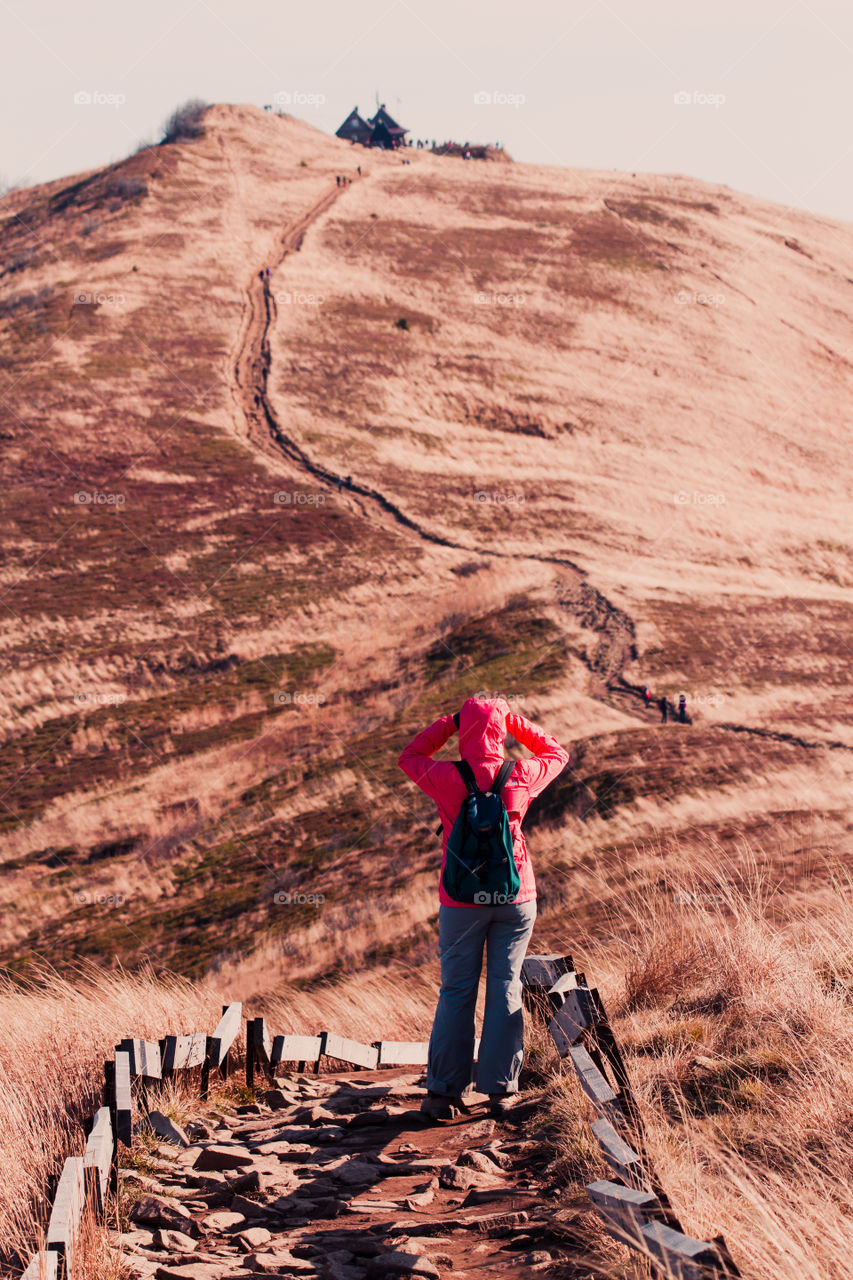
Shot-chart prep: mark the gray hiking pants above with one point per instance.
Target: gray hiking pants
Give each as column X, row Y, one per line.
column 462, row 933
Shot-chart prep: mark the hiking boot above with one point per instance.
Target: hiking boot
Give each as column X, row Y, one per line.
column 442, row 1106
column 500, row 1104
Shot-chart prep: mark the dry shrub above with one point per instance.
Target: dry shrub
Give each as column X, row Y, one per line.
column 186, row 122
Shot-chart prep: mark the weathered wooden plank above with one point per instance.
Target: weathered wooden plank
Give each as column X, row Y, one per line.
column 123, row 1105
column 621, row 1158
column 683, row 1257
column 346, row 1050
column 100, row 1147
column 43, row 1266
column 144, row 1057
column 565, row 982
column 227, row 1031
column 575, row 1012
column 64, row 1225
column 184, row 1051
column 594, row 1084
column 543, row 971
column 296, row 1049
column 403, row 1053
column 624, row 1210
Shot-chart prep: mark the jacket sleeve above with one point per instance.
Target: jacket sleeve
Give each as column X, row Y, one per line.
column 416, row 759
column 549, row 759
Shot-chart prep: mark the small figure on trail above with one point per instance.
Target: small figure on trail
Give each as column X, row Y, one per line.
column 269, row 273
column 338, row 179
column 359, row 170
column 663, row 709
column 261, row 274
column 349, row 482
column 682, row 708
column 495, row 900
column 647, row 696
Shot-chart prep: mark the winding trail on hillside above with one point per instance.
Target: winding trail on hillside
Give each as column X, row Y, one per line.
column 252, row 372
column 616, row 630
column 252, row 365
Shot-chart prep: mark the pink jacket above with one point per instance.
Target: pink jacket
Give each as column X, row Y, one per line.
column 483, row 726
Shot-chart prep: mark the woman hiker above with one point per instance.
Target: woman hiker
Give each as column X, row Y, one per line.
column 465, row 928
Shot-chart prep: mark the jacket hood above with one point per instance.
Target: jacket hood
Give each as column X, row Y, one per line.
column 482, row 729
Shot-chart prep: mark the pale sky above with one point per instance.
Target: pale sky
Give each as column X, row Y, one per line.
column 766, row 86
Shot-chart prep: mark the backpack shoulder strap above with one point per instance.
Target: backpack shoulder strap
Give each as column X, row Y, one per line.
column 467, row 775
column 501, row 777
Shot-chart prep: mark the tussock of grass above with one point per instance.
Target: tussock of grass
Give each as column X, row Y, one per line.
column 737, row 1028
column 54, row 1037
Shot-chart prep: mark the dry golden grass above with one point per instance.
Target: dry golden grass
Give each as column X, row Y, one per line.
column 55, row 1035
column 737, row 1026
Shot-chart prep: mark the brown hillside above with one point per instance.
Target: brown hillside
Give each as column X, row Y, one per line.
column 595, row 429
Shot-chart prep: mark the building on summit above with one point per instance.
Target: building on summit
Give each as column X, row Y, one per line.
column 380, row 130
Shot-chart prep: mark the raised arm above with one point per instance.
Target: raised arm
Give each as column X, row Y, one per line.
column 416, row 759
column 549, row 757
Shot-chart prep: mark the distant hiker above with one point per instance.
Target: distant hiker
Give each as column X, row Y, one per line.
column 268, row 273
column 359, row 170
column 349, row 482
column 261, row 274
column 647, row 696
column 338, row 179
column 663, row 710
column 682, row 708
column 491, row 904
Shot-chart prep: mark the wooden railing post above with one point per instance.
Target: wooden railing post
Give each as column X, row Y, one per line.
column 226, row 1061
column 250, row 1053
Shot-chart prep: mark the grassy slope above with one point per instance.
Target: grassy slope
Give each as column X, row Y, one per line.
column 156, row 794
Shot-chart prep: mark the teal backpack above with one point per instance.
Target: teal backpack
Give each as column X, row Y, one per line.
column 480, row 865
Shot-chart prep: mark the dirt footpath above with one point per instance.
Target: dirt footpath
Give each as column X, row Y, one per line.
column 339, row 1177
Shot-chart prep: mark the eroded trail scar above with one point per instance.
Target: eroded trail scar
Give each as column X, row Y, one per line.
column 252, row 365
column 339, row 1178
column 252, row 371
column 615, row 628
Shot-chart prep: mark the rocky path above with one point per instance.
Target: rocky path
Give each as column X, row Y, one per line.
column 338, row 1177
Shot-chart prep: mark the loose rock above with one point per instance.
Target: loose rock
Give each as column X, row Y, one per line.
column 477, row 1160
column 220, row 1157
column 280, row 1261
column 155, row 1211
column 174, row 1241
column 454, row 1177
column 223, row 1221
column 401, row 1263
column 166, row 1128
column 254, row 1238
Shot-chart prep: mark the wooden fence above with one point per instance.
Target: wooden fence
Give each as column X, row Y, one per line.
column 139, row 1067
column 635, row 1207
